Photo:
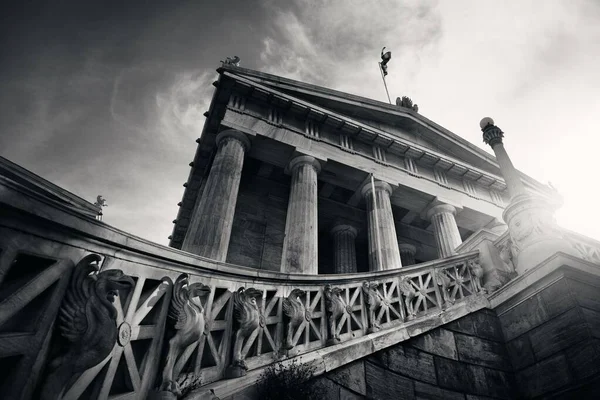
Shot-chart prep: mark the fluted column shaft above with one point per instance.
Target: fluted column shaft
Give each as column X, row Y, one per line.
column 300, row 246
column 383, row 243
column 344, row 249
column 209, row 231
column 407, row 253
column 445, row 229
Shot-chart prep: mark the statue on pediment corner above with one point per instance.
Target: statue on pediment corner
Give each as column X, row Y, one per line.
column 335, row 308
column 295, row 314
column 87, row 319
column 235, row 61
column 187, row 318
column 373, row 300
column 406, row 102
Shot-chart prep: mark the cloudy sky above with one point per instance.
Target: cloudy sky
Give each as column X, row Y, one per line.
column 107, row 97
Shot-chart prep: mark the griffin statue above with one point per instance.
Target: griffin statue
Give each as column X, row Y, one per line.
column 335, row 308
column 87, row 320
column 187, row 318
column 443, row 281
column 249, row 318
column 374, row 301
column 409, row 293
column 295, row 312
column 476, row 275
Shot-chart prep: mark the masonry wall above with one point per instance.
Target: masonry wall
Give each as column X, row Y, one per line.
column 465, row 359
column 553, row 340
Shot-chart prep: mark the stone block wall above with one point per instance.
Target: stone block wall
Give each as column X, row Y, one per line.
column 553, row 340
column 465, row 359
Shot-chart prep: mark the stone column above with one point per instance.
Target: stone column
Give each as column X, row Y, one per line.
column 534, row 234
column 383, row 242
column 300, row 246
column 407, row 253
column 445, row 229
column 344, row 248
column 210, row 226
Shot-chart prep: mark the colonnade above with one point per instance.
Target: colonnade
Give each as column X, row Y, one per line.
column 210, row 227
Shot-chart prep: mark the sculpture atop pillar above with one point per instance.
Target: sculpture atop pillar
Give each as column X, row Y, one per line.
column 249, row 318
column 188, row 320
column 294, row 310
column 409, row 293
column 373, row 301
column 335, row 307
column 530, row 218
column 87, row 320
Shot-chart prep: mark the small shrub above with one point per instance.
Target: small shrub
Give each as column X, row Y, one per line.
column 291, row 382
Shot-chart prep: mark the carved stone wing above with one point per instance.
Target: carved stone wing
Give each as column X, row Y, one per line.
column 176, row 312
column 72, row 315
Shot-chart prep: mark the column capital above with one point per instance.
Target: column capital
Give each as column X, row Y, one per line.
column 408, row 248
column 379, row 185
column 438, row 206
column 235, row 135
column 344, row 228
column 298, row 161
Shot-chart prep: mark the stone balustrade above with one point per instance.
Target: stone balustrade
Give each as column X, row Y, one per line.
column 41, row 251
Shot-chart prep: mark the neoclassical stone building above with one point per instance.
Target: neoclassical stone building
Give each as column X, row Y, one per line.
column 350, row 236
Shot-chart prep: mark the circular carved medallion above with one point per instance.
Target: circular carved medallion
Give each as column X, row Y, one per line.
column 349, row 309
column 307, row 315
column 124, row 334
column 261, row 321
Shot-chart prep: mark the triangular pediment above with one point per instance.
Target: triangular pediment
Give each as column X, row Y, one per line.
column 414, row 134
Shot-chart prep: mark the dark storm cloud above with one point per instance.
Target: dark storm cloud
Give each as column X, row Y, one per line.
column 107, row 97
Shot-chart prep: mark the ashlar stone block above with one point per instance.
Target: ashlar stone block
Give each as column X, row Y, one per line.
column 439, row 342
column 383, row 384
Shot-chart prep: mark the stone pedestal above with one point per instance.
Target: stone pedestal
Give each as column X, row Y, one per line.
column 445, row 230
column 383, row 243
column 210, row 226
column 344, row 248
column 534, row 233
column 407, row 253
column 301, row 230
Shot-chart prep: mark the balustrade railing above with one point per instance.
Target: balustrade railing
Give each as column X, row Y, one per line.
column 251, row 318
column 589, row 248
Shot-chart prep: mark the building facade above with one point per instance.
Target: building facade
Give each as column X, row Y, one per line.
column 356, row 238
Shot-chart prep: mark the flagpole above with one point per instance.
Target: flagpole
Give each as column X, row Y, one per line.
column 377, row 244
column 384, row 84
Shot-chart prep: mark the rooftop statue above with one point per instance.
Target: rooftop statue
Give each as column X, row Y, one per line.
column 87, row 320
column 406, row 102
column 235, row 61
column 187, row 317
column 100, row 201
column 385, row 58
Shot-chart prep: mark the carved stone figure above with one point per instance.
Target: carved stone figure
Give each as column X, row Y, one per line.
column 100, row 201
column 406, row 102
column 295, row 312
column 235, row 61
column 335, row 307
column 87, row 320
column 507, row 255
column 187, row 318
column 249, row 318
column 385, row 58
column 476, row 275
column 409, row 293
column 443, row 281
column 373, row 301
